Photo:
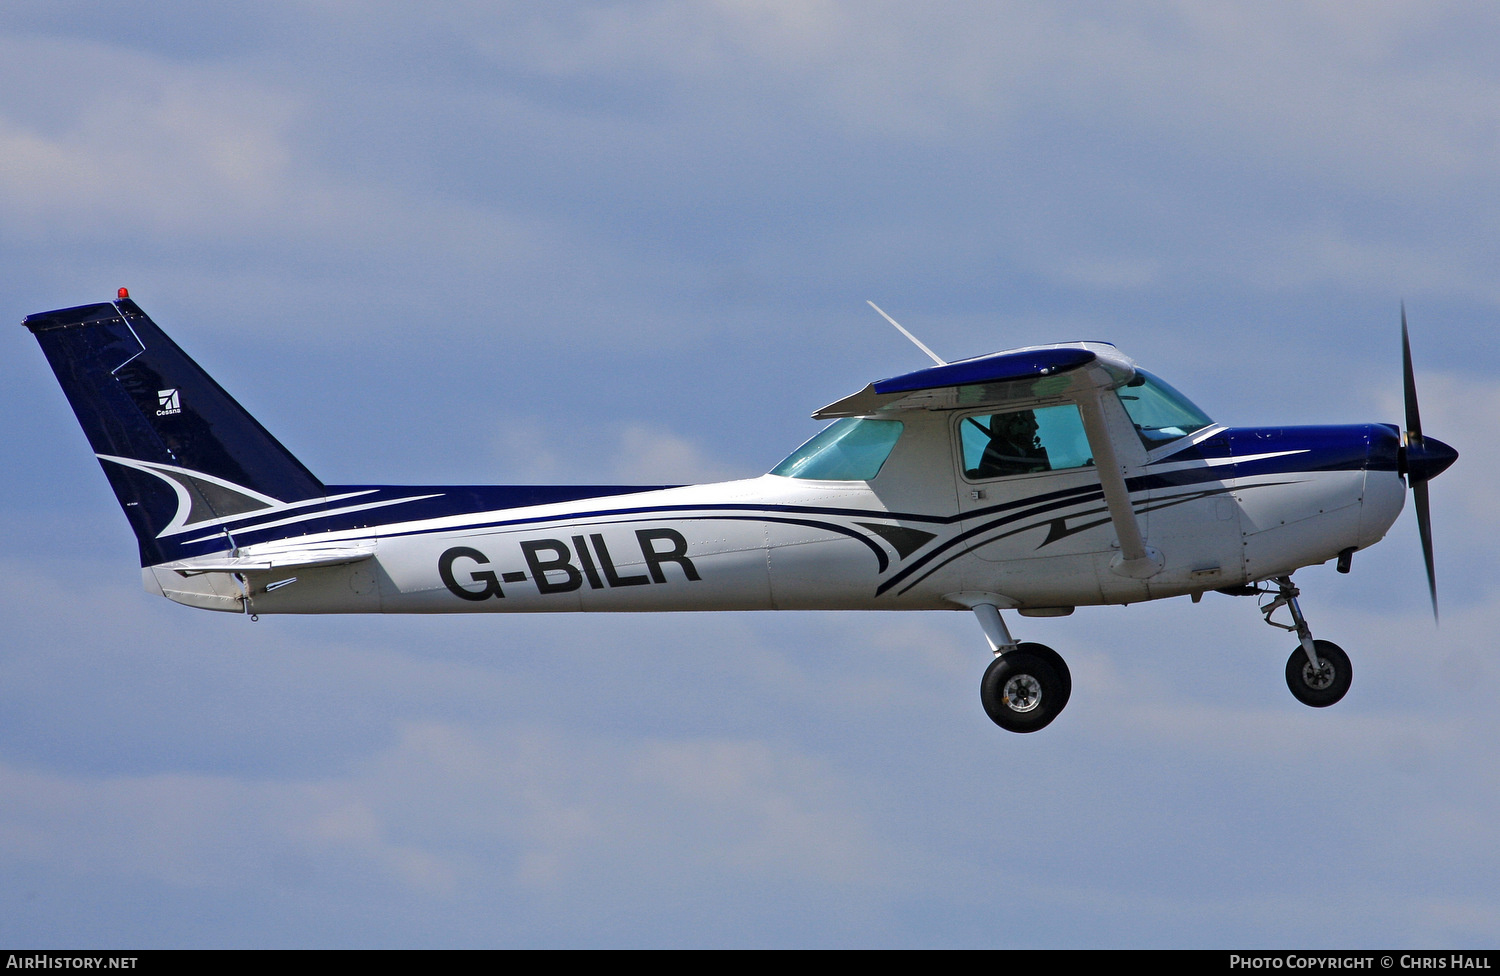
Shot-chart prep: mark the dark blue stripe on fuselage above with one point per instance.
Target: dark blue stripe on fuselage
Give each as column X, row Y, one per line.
column 1319, row 449
column 398, row 504
column 1352, row 447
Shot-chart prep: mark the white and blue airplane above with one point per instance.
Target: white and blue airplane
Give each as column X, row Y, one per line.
column 1034, row 480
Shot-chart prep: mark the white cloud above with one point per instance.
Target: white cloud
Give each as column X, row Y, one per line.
column 142, row 142
column 650, row 456
column 533, row 450
column 449, row 811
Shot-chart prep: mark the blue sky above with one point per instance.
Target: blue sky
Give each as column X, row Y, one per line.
column 515, row 243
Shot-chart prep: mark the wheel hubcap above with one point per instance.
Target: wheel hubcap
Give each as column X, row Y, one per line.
column 1022, row 693
column 1320, row 678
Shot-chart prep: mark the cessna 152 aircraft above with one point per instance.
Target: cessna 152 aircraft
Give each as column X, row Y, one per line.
column 1034, row 480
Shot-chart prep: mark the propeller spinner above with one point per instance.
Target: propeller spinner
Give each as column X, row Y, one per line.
column 1421, row 459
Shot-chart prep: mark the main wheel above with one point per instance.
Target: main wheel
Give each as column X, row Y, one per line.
column 1324, row 685
column 1058, row 664
column 1022, row 691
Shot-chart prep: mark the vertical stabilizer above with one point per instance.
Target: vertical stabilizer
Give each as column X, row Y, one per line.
column 185, row 460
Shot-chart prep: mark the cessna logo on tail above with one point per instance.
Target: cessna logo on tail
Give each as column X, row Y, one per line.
column 551, row 565
column 167, row 403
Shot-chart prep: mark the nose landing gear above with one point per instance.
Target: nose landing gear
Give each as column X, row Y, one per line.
column 1318, row 672
column 1323, row 684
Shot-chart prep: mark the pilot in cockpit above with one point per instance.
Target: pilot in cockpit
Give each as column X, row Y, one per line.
column 1014, row 446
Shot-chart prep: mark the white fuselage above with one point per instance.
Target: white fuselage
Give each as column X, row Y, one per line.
column 919, row 535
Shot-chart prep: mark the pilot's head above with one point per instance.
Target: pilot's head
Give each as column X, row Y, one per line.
column 1018, row 427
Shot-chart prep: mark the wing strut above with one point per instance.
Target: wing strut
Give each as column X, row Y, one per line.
column 1136, row 560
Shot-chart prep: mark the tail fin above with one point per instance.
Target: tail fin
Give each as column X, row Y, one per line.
column 185, row 460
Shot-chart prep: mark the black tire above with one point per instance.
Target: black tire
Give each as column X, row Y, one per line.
column 1022, row 692
column 1058, row 664
column 1326, row 686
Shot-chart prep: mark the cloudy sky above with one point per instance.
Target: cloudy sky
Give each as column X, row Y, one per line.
column 597, row 242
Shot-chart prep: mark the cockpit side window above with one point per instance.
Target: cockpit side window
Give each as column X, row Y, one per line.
column 1000, row 445
column 1160, row 414
column 852, row 449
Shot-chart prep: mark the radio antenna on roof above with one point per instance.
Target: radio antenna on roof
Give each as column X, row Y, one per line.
column 930, row 354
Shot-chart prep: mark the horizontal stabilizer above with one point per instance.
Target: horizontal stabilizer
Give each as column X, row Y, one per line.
column 265, row 558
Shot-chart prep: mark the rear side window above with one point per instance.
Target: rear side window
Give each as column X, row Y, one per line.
column 999, row 445
column 852, row 449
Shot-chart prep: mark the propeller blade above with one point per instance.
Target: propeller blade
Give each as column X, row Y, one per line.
column 1413, row 417
column 1424, row 526
column 1420, row 461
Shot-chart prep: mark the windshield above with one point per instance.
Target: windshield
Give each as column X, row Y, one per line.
column 851, row 449
column 1160, row 414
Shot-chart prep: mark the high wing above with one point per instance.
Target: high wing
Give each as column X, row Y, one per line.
column 1072, row 370
column 1082, row 372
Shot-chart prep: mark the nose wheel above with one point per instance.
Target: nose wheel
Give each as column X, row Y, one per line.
column 1321, row 685
column 1318, row 672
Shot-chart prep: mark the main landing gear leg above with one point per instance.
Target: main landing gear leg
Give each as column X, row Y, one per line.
column 1027, row 685
column 1318, row 672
